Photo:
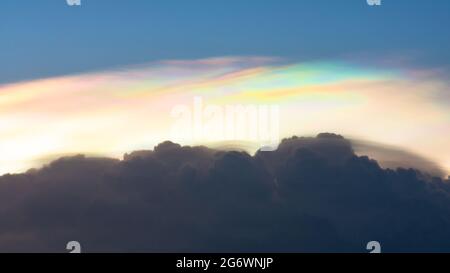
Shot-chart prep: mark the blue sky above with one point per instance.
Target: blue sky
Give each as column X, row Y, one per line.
column 44, row 38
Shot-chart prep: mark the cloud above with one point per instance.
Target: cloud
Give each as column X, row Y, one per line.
column 312, row 194
column 393, row 157
column 112, row 112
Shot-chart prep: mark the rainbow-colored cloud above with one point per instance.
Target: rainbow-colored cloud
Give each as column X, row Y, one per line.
column 113, row 112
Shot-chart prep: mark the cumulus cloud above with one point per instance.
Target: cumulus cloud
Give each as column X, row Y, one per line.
column 313, row 194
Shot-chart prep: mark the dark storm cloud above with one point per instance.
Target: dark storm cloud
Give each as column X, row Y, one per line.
column 312, row 194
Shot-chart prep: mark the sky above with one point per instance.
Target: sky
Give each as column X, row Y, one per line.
column 47, row 38
column 104, row 78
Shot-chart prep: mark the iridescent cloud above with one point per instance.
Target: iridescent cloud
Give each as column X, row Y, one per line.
column 112, row 112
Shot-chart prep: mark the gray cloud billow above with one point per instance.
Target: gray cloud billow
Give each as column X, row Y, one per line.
column 310, row 195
